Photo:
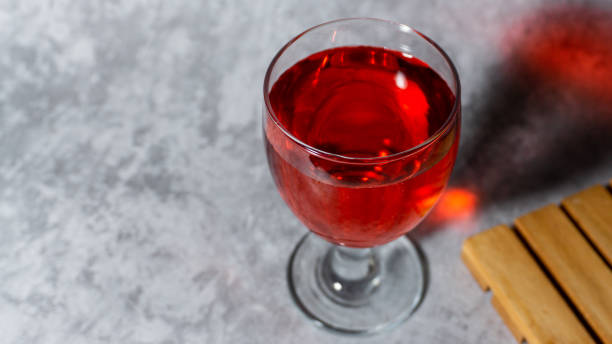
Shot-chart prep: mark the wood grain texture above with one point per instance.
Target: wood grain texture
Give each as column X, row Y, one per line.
column 576, row 267
column 526, row 300
column 592, row 210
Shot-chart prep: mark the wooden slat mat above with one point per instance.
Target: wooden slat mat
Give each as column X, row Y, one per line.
column 551, row 275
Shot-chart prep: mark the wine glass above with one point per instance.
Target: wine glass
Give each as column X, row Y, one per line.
column 361, row 126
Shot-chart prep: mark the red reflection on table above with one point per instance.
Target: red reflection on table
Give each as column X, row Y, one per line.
column 456, row 204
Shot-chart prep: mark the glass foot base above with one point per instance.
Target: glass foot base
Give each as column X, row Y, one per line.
column 356, row 291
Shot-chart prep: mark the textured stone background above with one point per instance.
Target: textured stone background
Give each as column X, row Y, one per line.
column 135, row 201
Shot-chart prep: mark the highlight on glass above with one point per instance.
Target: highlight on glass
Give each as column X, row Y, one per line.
column 361, row 127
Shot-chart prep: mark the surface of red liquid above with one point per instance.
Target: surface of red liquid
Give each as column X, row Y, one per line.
column 365, row 106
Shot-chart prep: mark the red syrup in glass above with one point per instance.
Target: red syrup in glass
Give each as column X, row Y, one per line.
column 366, row 106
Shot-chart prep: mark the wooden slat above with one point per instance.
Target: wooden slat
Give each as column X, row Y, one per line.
column 576, row 267
column 592, row 210
column 525, row 299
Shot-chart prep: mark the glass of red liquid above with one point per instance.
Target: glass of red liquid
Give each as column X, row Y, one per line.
column 361, row 126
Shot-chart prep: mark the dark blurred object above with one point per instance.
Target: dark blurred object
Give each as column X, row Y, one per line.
column 570, row 48
column 547, row 117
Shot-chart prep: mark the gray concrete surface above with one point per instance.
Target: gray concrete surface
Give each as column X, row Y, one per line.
column 135, row 201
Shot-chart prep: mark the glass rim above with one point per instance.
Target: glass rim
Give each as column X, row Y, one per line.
column 445, row 127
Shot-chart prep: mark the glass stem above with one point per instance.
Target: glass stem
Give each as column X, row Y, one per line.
column 350, row 275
